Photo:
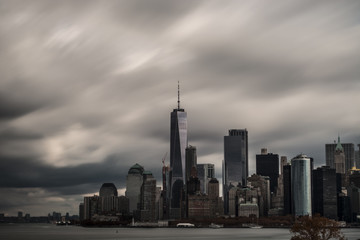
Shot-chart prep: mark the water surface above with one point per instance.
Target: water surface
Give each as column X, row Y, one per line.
column 53, row 232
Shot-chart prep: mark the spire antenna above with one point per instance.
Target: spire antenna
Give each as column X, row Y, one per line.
column 178, row 95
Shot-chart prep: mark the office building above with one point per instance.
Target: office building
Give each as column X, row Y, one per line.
column 324, row 192
column 235, row 166
column 190, row 161
column 349, row 151
column 122, row 205
column 134, row 181
column 301, row 185
column 339, row 158
column 81, row 211
column 178, row 143
column 216, row 204
column 344, row 207
column 262, row 183
column 205, row 172
column 248, row 201
column 193, row 184
column 248, row 210
column 288, row 206
column 357, row 157
column 267, row 164
column 354, row 194
column 198, row 206
column 277, row 200
column 92, row 206
column 354, row 177
column 165, row 195
column 148, row 204
column 108, row 190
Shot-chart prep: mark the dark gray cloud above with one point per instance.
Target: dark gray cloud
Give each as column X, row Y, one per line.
column 29, row 173
column 87, row 87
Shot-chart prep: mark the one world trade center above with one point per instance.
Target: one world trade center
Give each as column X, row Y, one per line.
column 178, row 144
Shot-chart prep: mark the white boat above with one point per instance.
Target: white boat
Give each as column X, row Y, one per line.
column 185, row 225
column 213, row 225
column 255, row 226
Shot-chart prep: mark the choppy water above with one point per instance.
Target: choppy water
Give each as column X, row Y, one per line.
column 53, row 232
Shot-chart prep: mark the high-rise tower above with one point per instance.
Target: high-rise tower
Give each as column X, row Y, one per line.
column 134, row 181
column 178, row 143
column 267, row 164
column 235, row 166
column 339, row 158
column 191, row 161
column 301, row 185
column 349, row 151
column 324, row 192
column 236, row 157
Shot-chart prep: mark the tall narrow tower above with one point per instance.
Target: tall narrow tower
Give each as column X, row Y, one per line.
column 236, row 166
column 301, row 185
column 178, row 143
column 339, row 158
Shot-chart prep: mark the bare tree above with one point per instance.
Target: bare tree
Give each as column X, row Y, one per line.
column 316, row 228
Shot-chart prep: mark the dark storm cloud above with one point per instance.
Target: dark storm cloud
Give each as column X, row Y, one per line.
column 87, row 87
column 84, row 178
column 12, row 134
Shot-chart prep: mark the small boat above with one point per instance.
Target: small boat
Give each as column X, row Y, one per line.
column 255, row 226
column 185, row 225
column 213, row 225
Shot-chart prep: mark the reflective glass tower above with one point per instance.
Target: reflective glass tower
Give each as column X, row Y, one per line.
column 178, row 144
column 301, row 185
column 236, row 157
column 235, row 166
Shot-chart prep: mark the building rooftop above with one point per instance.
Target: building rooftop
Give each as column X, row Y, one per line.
column 136, row 169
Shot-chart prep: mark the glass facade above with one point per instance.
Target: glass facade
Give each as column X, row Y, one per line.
column 178, row 144
column 236, row 157
column 191, row 161
column 301, row 185
column 235, row 167
column 134, row 181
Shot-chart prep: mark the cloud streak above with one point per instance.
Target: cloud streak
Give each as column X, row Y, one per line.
column 87, row 88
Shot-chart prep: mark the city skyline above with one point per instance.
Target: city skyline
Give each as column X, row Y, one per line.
column 86, row 89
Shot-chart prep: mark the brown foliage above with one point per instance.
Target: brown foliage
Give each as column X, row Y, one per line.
column 316, row 228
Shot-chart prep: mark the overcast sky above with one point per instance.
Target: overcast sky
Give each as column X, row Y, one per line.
column 87, row 87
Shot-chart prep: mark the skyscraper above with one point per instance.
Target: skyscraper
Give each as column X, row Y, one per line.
column 349, row 150
column 165, row 191
column 262, row 183
column 267, row 164
column 301, row 185
column 357, row 157
column 324, row 191
column 148, row 198
column 205, row 172
column 108, row 190
column 108, row 195
column 134, row 181
column 190, row 161
column 178, row 143
column 236, row 157
column 236, row 166
column 339, row 158
column 288, row 204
